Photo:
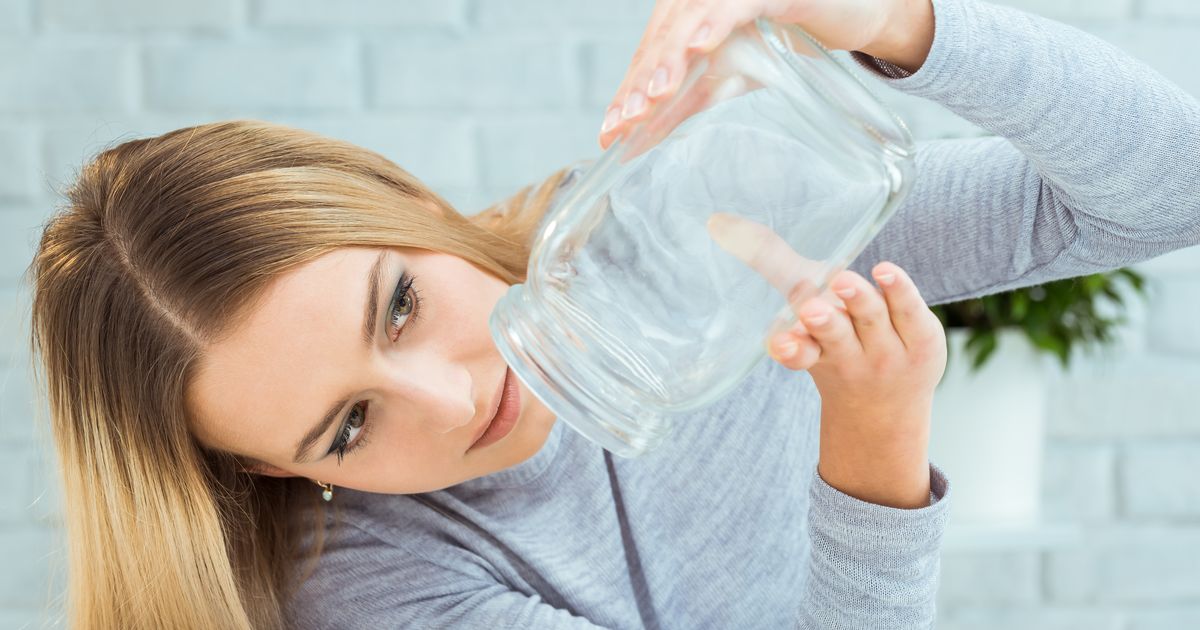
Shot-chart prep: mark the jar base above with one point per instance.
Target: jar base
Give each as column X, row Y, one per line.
column 545, row 368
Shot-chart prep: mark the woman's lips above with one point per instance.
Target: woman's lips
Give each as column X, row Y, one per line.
column 507, row 412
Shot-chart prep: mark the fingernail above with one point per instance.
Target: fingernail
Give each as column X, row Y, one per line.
column 817, row 319
column 788, row 349
column 658, row 82
column 611, row 118
column 846, row 293
column 633, row 105
column 700, row 37
column 886, row 279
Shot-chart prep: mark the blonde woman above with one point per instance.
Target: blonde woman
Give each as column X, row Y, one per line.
column 241, row 324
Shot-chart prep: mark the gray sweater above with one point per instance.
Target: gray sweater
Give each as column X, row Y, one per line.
column 728, row 525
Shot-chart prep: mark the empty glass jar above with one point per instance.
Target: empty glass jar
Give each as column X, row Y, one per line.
column 656, row 280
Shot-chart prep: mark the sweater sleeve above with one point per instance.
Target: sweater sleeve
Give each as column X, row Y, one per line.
column 872, row 566
column 1096, row 164
column 366, row 582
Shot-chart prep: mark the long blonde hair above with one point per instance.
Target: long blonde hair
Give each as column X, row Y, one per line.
column 163, row 243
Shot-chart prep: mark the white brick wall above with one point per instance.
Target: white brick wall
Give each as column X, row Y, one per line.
column 385, row 14
column 269, row 75
column 120, row 15
column 19, row 231
column 1158, row 480
column 517, row 72
column 551, row 14
column 1079, row 482
column 478, row 97
column 990, row 578
column 1187, row 9
column 14, row 16
column 47, row 76
column 1174, row 327
column 1127, row 565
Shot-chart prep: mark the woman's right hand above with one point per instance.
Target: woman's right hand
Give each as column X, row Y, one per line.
column 875, row 356
column 876, row 363
column 899, row 31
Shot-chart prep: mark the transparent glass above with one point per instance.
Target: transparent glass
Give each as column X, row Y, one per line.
column 657, row 279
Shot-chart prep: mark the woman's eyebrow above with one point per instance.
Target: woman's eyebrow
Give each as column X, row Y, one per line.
column 317, row 431
column 368, row 328
column 372, row 305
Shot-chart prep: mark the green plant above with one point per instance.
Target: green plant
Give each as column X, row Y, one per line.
column 1055, row 316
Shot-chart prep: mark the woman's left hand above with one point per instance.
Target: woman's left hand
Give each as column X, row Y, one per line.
column 900, row 31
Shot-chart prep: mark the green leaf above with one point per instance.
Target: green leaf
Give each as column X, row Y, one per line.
column 1056, row 316
column 1019, row 306
column 1114, row 295
column 991, row 306
column 1134, row 278
column 986, row 348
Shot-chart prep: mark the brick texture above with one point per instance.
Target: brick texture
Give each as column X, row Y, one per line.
column 18, row 162
column 1186, row 9
column 122, row 15
column 1126, row 565
column 376, row 14
column 1159, row 480
column 44, row 78
column 258, row 75
column 506, row 72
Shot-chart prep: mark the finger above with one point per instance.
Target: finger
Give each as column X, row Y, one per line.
column 832, row 330
column 795, row 347
column 693, row 28
column 868, row 312
column 794, row 351
column 696, row 97
column 760, row 248
column 911, row 317
column 689, row 29
column 613, row 113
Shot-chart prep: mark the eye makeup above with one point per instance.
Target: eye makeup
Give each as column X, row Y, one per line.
column 404, row 309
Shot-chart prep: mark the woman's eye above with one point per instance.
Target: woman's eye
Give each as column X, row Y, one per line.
column 405, row 304
column 347, row 439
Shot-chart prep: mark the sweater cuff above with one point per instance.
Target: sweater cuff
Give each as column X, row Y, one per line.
column 950, row 38
column 854, row 523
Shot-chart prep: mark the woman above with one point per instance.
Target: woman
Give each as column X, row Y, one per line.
column 199, row 308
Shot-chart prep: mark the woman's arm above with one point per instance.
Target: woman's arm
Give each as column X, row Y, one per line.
column 1097, row 166
column 873, row 566
column 365, row 582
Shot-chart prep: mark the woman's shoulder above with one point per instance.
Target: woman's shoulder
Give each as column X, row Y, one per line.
column 402, row 536
column 365, row 569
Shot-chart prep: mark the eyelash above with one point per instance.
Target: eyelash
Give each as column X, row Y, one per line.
column 403, row 289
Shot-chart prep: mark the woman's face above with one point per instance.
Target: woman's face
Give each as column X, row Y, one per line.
column 407, row 403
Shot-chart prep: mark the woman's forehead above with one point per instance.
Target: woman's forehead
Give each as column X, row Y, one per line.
column 287, row 356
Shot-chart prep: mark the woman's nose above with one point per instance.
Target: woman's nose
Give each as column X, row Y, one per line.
column 438, row 398
column 438, row 406
column 460, row 416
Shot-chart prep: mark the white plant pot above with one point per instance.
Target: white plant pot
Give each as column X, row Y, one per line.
column 988, row 431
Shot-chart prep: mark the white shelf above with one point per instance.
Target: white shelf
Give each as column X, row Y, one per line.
column 1031, row 536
